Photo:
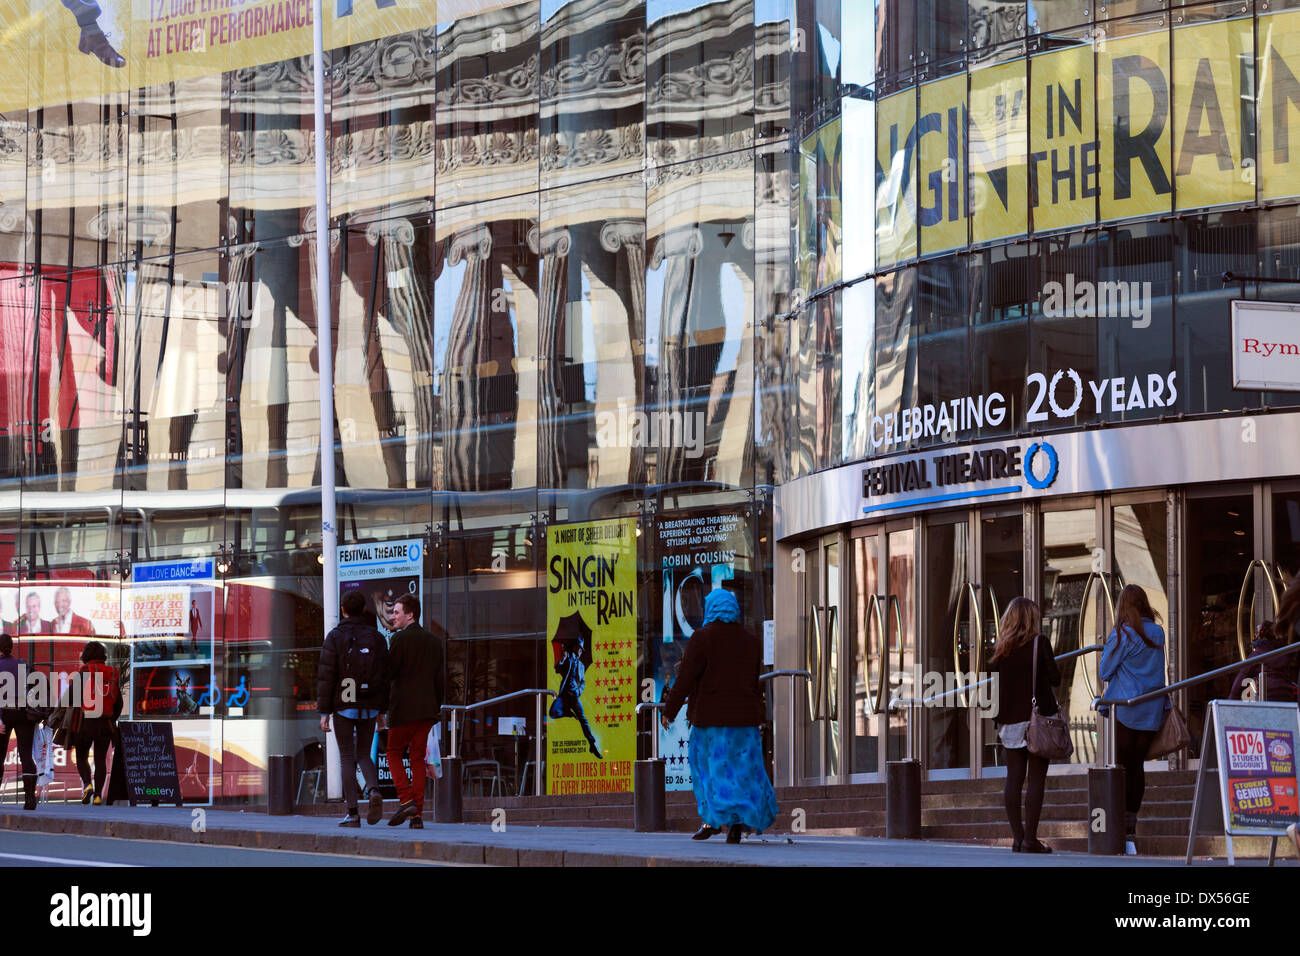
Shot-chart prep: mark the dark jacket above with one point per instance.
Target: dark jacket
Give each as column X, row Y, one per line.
column 718, row 674
column 1015, row 674
column 1279, row 673
column 418, row 661
column 329, row 673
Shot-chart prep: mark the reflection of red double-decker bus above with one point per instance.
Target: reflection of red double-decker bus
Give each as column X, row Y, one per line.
column 237, row 685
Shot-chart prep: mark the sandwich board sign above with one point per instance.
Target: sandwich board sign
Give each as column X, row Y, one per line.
column 1250, row 747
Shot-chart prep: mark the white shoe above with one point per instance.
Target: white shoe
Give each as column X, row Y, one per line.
column 1130, row 848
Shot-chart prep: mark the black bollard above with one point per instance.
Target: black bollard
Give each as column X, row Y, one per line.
column 279, row 786
column 903, row 800
column 650, row 813
column 1105, row 810
column 450, row 806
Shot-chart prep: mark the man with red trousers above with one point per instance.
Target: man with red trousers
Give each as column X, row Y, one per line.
column 417, row 659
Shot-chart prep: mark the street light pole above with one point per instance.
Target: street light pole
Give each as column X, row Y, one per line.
column 325, row 364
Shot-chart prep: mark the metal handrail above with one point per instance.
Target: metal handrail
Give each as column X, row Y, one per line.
column 1218, row 672
column 654, row 731
column 791, row 675
column 535, row 692
column 912, row 702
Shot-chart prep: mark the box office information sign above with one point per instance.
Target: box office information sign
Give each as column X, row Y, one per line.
column 1253, row 748
column 695, row 554
column 383, row 571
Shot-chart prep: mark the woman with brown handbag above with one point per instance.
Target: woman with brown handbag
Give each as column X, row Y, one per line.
column 1022, row 659
column 1132, row 664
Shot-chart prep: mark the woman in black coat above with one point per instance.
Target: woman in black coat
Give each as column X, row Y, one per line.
column 1018, row 643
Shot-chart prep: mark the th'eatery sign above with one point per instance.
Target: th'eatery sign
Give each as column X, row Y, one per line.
column 1266, row 346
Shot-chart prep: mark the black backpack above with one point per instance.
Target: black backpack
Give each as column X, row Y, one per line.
column 362, row 662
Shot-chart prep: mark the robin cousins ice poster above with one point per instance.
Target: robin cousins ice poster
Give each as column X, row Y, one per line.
column 591, row 618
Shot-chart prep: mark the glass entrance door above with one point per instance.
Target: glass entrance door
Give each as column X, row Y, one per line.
column 821, row 629
column 999, row 576
column 880, row 646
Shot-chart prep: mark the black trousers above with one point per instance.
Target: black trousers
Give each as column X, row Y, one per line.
column 1021, row 764
column 1131, row 748
column 25, row 730
column 99, row 742
column 355, row 738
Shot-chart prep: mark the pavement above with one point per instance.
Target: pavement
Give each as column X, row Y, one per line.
column 513, row 845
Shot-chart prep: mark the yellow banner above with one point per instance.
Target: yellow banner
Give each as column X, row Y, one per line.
column 999, row 145
column 61, row 51
column 896, row 178
column 1279, row 104
column 1133, row 86
column 1063, row 160
column 591, row 624
column 820, row 211
column 941, row 206
column 1212, row 64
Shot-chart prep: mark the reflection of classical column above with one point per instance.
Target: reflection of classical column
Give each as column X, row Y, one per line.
column 397, row 237
column 629, row 236
column 410, row 313
column 553, row 247
column 304, row 411
column 681, row 248
column 466, row 444
column 239, row 270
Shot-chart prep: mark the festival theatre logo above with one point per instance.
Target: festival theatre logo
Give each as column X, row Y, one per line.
column 1038, row 469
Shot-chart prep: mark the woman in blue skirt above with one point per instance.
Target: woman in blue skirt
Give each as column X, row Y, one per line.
column 718, row 675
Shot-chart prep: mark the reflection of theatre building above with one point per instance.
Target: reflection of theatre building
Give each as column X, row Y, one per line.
column 804, row 263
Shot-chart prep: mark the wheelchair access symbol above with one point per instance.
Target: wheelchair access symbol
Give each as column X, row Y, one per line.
column 238, row 697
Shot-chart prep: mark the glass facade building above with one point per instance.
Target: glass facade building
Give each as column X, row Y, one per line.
column 931, row 229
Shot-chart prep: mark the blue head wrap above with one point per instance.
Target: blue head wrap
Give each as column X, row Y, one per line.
column 722, row 606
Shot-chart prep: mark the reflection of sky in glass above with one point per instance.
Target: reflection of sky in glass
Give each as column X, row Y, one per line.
column 654, row 310
column 586, row 312
column 830, row 51
column 858, row 331
column 733, row 305
column 658, row 9
column 445, row 292
column 508, row 290
column 772, row 11
column 552, row 7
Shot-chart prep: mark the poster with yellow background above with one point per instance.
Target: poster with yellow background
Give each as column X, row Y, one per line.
column 591, row 622
column 61, row 51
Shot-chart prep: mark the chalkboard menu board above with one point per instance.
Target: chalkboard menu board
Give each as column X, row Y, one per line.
column 149, row 760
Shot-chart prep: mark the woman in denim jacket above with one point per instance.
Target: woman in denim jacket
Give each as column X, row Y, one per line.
column 1133, row 663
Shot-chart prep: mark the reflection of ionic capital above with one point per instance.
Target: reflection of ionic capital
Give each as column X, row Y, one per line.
column 679, row 242
column 617, row 233
column 393, row 230
column 14, row 218
column 553, row 242
column 309, row 231
column 747, row 235
column 150, row 226
column 474, row 242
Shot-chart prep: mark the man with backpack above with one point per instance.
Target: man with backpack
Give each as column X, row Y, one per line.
column 352, row 685
column 415, row 704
